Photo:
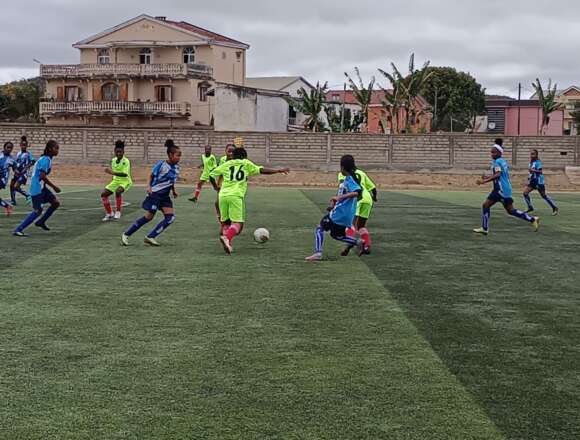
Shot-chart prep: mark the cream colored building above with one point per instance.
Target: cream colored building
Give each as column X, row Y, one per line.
column 148, row 71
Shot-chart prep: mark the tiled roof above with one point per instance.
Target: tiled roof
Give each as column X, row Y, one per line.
column 203, row 32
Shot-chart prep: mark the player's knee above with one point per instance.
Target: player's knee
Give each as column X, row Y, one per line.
column 119, row 191
column 56, row 204
column 169, row 218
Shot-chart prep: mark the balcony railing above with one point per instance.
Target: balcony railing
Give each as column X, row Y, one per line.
column 130, row 70
column 115, row 108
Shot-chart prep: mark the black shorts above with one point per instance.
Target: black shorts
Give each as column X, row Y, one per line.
column 495, row 197
column 535, row 185
column 40, row 199
column 336, row 231
column 22, row 179
column 155, row 203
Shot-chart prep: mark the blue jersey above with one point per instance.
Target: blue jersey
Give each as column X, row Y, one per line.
column 23, row 160
column 6, row 162
column 344, row 211
column 44, row 164
column 537, row 174
column 164, row 177
column 502, row 185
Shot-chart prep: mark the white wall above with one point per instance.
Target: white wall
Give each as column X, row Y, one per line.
column 272, row 113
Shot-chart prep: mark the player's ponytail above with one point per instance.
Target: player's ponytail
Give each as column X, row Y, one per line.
column 348, row 164
column 50, row 146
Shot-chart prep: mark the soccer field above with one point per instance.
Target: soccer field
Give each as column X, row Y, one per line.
column 439, row 334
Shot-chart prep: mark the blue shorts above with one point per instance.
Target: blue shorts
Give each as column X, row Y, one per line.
column 495, row 197
column 44, row 197
column 2, row 183
column 535, row 185
column 22, row 179
column 154, row 203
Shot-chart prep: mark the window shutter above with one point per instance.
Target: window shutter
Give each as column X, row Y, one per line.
column 170, row 97
column 97, row 93
column 157, row 94
column 60, row 93
column 124, row 92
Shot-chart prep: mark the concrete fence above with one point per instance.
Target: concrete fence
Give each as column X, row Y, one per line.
column 300, row 150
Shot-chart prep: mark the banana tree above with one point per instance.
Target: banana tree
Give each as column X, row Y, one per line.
column 311, row 104
column 394, row 98
column 363, row 95
column 547, row 98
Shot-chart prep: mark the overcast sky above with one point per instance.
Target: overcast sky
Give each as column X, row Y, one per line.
column 500, row 42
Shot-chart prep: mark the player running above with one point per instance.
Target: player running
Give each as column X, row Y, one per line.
column 23, row 164
column 232, row 192
column 121, row 172
column 502, row 191
column 208, row 163
column 537, row 181
column 161, row 184
column 342, row 209
column 363, row 210
column 6, row 163
column 39, row 191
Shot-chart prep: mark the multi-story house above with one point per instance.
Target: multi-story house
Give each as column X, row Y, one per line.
column 146, row 71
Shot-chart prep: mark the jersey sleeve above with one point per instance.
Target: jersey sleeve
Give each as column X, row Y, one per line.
column 496, row 166
column 218, row 171
column 352, row 186
column 126, row 167
column 368, row 183
column 157, row 168
column 252, row 169
column 43, row 164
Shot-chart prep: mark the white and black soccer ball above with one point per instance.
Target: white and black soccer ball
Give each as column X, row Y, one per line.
column 261, row 235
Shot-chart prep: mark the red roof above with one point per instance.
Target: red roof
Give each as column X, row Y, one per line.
column 203, row 32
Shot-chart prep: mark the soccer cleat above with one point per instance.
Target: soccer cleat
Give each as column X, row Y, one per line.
column 346, row 251
column 108, row 217
column 117, row 215
column 19, row 234
column 481, row 231
column 556, row 211
column 193, row 199
column 125, row 240
column 228, row 248
column 8, row 210
column 536, row 224
column 366, row 250
column 42, row 226
column 317, row 256
column 151, row 241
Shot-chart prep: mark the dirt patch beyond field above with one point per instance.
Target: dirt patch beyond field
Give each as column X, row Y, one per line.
column 456, row 180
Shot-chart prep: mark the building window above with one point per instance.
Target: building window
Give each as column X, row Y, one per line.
column 145, row 56
column 188, row 55
column 224, row 56
column 103, row 56
column 110, row 92
column 336, row 98
column 202, row 90
column 71, row 93
column 239, row 55
column 163, row 93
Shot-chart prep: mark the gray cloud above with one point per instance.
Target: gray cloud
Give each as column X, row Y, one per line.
column 500, row 42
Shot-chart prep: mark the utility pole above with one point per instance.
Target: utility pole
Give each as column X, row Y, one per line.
column 342, row 109
column 519, row 106
column 451, row 119
column 435, row 109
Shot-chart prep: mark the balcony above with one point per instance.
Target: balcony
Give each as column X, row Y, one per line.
column 115, row 108
column 83, row 71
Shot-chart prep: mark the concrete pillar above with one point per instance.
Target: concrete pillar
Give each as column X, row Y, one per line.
column 514, row 151
column 451, row 151
column 85, row 151
column 328, row 148
column 145, row 147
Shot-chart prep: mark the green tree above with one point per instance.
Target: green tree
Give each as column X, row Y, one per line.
column 363, row 95
column 335, row 120
column 453, row 94
column 21, row 99
column 547, row 98
column 311, row 104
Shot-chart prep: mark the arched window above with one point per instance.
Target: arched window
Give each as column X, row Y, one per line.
column 145, row 56
column 188, row 55
column 110, row 92
column 103, row 56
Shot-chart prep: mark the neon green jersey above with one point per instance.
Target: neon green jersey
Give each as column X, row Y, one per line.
column 235, row 174
column 209, row 162
column 122, row 166
column 223, row 160
column 365, row 182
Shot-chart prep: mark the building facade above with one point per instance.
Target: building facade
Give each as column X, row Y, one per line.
column 148, row 71
column 511, row 117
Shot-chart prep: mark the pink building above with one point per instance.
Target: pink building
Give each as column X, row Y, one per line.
column 506, row 114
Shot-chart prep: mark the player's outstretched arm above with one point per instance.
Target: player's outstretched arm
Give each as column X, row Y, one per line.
column 47, row 181
column 488, row 179
column 350, row 195
column 274, row 171
column 214, row 183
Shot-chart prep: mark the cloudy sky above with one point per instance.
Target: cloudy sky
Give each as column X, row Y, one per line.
column 500, row 42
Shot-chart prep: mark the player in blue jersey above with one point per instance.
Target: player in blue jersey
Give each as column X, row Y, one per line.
column 502, row 191
column 39, row 191
column 342, row 211
column 6, row 163
column 537, row 181
column 161, row 185
column 23, row 164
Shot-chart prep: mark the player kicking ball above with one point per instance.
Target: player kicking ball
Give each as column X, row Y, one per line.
column 161, row 184
column 40, row 192
column 232, row 192
column 121, row 172
column 537, row 181
column 208, row 163
column 502, row 191
column 342, row 211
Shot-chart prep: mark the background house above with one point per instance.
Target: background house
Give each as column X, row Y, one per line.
column 505, row 114
column 569, row 98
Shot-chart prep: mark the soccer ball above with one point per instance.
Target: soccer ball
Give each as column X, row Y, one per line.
column 261, row 235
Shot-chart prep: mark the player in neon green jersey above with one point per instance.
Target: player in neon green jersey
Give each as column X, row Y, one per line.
column 208, row 163
column 121, row 172
column 364, row 208
column 232, row 192
column 229, row 154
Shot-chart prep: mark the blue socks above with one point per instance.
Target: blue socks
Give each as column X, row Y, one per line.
column 319, row 234
column 136, row 226
column 162, row 226
column 523, row 215
column 4, row 204
column 485, row 218
column 28, row 221
column 528, row 200
column 550, row 202
column 46, row 215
